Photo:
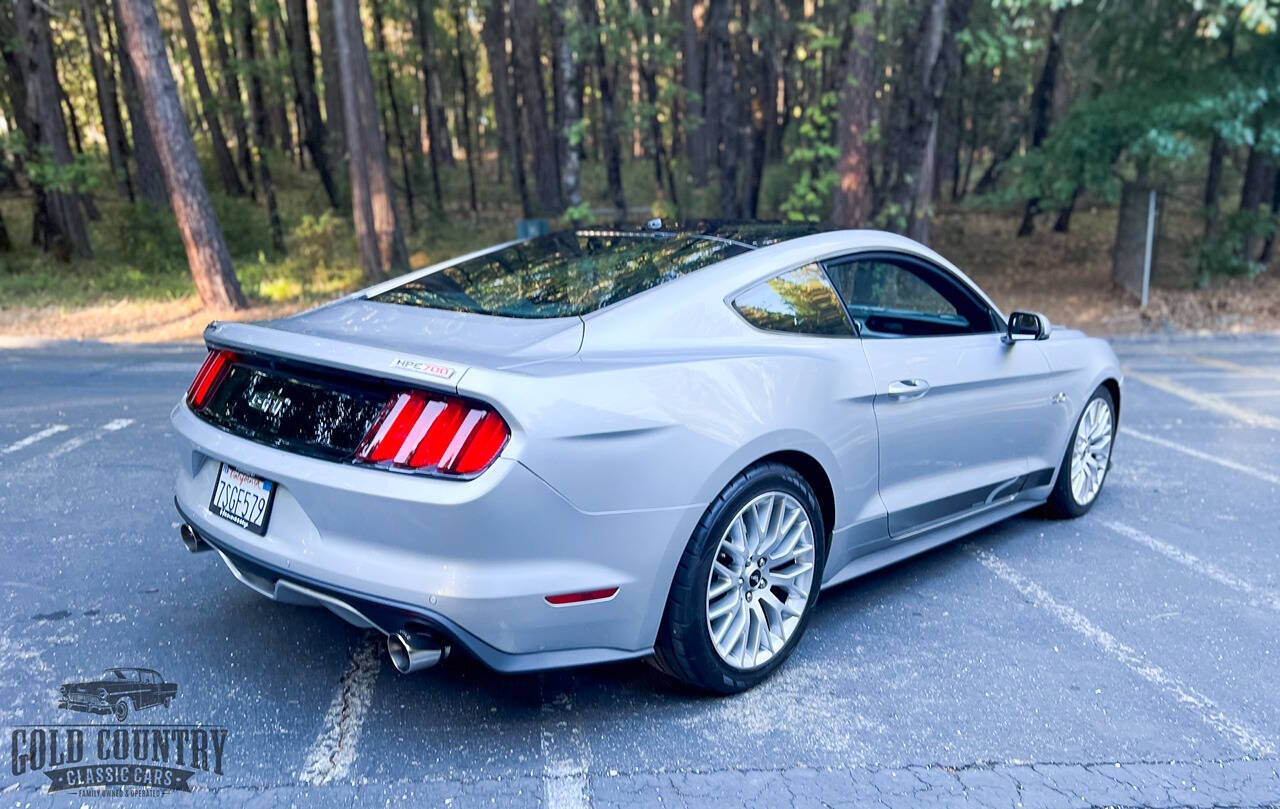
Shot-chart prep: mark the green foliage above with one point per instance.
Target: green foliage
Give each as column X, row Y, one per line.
column 815, row 154
column 1222, row 253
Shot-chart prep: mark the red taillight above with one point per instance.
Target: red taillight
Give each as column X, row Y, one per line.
column 435, row 433
column 208, row 377
column 578, row 598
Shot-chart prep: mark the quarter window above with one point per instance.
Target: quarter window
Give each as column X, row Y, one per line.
column 895, row 296
column 800, row 301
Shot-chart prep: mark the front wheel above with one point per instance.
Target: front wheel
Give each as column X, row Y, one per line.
column 121, row 709
column 746, row 585
column 1088, row 457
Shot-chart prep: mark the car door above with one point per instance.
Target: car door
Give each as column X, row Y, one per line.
column 958, row 409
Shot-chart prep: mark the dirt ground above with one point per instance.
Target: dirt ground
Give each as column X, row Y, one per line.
column 1066, row 276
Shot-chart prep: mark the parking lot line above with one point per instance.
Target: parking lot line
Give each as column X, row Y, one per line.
column 1248, row 739
column 33, row 438
column 1257, row 595
column 565, row 754
column 335, row 748
column 1233, row 367
column 1252, row 471
column 84, row 438
column 1206, row 401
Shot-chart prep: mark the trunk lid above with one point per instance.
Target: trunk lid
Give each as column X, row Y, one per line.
column 419, row 345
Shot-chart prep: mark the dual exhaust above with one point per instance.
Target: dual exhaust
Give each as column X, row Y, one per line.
column 410, row 650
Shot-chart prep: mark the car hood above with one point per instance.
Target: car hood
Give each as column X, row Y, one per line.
column 93, row 686
column 408, row 342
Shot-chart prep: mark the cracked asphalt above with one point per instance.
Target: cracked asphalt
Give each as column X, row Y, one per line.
column 1129, row 658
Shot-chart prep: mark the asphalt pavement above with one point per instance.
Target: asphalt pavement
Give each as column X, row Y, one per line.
column 1129, row 658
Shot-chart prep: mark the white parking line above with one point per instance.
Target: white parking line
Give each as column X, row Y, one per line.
column 1257, row 595
column 1227, row 463
column 1251, row 394
column 1206, row 401
column 1248, row 739
column 1233, row 367
column 335, row 749
column 84, row 438
column 565, row 754
column 34, row 437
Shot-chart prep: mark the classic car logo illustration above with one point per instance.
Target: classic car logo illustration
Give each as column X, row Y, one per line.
column 117, row 692
column 113, row 759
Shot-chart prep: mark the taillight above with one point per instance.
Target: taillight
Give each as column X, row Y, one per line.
column 435, row 433
column 208, row 377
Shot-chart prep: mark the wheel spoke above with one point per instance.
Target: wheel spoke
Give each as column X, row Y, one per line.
column 766, row 554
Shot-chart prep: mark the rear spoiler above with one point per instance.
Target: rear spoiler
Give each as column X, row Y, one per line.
column 415, row 369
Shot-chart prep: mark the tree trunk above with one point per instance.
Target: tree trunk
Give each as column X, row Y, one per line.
column 388, row 81
column 248, row 42
column 922, row 90
column 1127, row 254
column 382, row 246
column 433, row 98
column 852, row 203
column 1268, row 246
column 649, row 76
column 207, row 254
column 1213, row 184
column 465, row 85
column 232, row 94
column 278, row 106
column 108, row 104
column 695, row 92
column 59, row 223
column 567, row 89
column 722, row 106
column 331, row 74
column 494, row 34
column 1042, row 108
column 546, row 176
column 1253, row 194
column 208, row 106
column 1063, row 223
column 303, row 65
column 608, row 111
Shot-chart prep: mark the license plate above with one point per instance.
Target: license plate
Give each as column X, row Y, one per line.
column 243, row 499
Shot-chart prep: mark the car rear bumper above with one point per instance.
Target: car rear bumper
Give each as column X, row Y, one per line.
column 473, row 560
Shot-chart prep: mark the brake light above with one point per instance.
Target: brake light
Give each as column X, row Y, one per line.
column 208, row 377
column 435, row 433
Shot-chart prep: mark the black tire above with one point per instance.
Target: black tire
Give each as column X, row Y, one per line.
column 121, row 709
column 684, row 648
column 1062, row 501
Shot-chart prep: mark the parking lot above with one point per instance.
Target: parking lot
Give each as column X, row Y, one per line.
column 1128, row 658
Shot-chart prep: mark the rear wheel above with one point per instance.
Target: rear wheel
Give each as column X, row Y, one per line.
column 746, row 585
column 1087, row 459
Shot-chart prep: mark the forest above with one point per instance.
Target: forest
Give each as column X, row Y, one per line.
column 267, row 150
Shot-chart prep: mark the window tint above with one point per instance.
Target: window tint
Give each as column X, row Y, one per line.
column 563, row 274
column 801, row 300
column 899, row 297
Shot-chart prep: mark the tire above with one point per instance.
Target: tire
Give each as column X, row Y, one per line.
column 121, row 709
column 686, row 649
column 1066, row 501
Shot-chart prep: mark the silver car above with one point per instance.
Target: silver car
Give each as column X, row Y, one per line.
column 607, row 444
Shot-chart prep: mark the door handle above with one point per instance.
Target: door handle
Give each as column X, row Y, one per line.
column 904, row 390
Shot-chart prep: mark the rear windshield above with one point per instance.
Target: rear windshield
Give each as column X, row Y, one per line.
column 563, row 274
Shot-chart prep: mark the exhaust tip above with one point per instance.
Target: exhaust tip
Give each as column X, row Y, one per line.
column 415, row 651
column 192, row 540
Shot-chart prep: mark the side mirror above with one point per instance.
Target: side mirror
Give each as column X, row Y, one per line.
column 1027, row 326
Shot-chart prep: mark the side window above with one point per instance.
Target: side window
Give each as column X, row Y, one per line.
column 800, row 301
column 899, row 297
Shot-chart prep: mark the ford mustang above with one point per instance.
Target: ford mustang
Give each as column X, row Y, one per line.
column 604, row 444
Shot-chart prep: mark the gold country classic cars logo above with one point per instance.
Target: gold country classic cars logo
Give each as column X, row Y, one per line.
column 113, row 758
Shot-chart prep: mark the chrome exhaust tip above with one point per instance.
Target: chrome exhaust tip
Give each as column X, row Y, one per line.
column 192, row 540
column 415, row 651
